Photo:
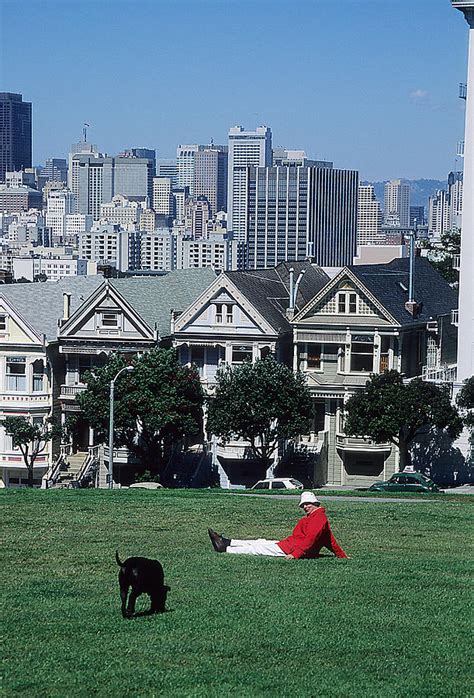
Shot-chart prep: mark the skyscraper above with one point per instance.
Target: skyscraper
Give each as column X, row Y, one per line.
column 397, row 203
column 15, row 133
column 163, row 201
column 299, row 212
column 185, row 158
column 455, row 190
column 210, row 177
column 95, row 179
column 246, row 148
column 369, row 217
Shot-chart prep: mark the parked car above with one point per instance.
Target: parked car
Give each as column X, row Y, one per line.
column 278, row 483
column 405, row 482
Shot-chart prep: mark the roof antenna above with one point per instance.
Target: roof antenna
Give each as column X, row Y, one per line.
column 84, row 131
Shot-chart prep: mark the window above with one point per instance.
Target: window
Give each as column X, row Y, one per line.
column 313, row 360
column 241, row 354
column 219, row 309
column 197, row 358
column 362, row 357
column 110, row 320
column 3, row 323
column 347, row 303
column 230, row 314
column 384, row 354
column 84, row 366
column 38, row 375
column 16, row 373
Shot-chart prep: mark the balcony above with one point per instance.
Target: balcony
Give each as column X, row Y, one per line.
column 69, row 392
column 439, row 374
column 359, row 444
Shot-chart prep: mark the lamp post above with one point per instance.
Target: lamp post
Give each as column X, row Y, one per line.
column 111, row 425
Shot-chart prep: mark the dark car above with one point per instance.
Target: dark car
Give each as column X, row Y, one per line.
column 405, row 482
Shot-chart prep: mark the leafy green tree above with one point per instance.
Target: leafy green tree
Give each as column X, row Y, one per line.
column 155, row 405
column 465, row 402
column 440, row 254
column 31, row 439
column 262, row 403
column 390, row 410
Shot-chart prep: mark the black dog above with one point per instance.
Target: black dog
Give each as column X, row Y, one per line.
column 144, row 576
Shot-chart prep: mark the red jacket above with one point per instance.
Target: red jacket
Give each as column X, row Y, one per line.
column 310, row 534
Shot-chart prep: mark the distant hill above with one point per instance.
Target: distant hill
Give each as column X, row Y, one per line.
column 420, row 190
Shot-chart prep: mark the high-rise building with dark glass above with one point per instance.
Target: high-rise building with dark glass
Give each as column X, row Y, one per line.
column 15, row 133
column 299, row 212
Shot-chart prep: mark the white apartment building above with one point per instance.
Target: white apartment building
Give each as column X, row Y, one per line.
column 246, row 148
column 59, row 204
column 121, row 211
column 217, row 253
column 162, row 195
column 180, row 196
column 55, row 267
column 147, row 220
column 74, row 225
column 455, row 191
column 397, row 203
column 107, row 243
column 369, row 217
column 157, row 251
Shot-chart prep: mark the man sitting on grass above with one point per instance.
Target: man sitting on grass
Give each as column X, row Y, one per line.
column 311, row 533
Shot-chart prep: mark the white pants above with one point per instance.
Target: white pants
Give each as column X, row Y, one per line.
column 255, row 547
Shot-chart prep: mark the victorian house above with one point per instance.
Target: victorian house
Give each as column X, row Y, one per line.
column 364, row 322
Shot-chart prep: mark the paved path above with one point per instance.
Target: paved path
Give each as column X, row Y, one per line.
column 323, row 497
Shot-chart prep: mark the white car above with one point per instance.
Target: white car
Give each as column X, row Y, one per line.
column 278, row 483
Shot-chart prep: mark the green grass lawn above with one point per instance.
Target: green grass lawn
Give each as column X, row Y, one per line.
column 394, row 620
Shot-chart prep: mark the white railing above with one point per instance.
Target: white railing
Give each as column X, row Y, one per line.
column 439, row 374
column 71, row 390
column 455, row 317
column 456, row 261
column 356, row 443
column 51, row 475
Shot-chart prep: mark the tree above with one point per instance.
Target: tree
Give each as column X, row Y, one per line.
column 31, row 439
column 440, row 254
column 42, row 277
column 390, row 410
column 155, row 405
column 262, row 403
column 465, row 402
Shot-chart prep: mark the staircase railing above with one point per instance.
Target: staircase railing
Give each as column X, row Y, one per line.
column 90, row 464
column 52, row 474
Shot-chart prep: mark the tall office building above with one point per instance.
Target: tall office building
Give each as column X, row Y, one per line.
column 163, row 201
column 146, row 153
column 185, row 159
column 97, row 178
column 15, row 133
column 55, row 170
column 299, row 212
column 438, row 214
column 369, row 217
column 168, row 167
column 397, row 203
column 455, row 190
column 210, row 176
column 83, row 148
column 246, row 149
column 417, row 213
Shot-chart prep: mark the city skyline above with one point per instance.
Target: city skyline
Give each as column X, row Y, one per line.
column 189, row 71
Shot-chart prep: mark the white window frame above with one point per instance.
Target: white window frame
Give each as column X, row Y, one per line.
column 345, row 295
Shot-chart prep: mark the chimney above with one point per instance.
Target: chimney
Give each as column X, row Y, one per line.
column 66, row 306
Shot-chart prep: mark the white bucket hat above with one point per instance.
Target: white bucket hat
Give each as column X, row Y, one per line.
column 308, row 498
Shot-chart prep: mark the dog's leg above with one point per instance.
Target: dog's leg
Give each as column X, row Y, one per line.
column 131, row 603
column 123, row 596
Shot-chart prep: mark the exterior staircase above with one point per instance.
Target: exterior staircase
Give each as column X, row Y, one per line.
column 75, row 462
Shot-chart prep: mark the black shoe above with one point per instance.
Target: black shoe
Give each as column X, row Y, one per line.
column 219, row 543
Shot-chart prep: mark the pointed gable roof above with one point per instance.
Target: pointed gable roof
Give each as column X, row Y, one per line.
column 41, row 304
column 268, row 289
column 154, row 297
column 387, row 282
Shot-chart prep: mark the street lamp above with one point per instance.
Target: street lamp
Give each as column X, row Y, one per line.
column 111, row 425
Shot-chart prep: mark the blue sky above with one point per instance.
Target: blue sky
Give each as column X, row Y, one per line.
column 369, row 84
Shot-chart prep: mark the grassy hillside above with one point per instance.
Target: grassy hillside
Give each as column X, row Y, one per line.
column 393, row 620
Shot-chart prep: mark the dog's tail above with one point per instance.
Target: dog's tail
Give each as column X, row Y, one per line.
column 120, row 564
